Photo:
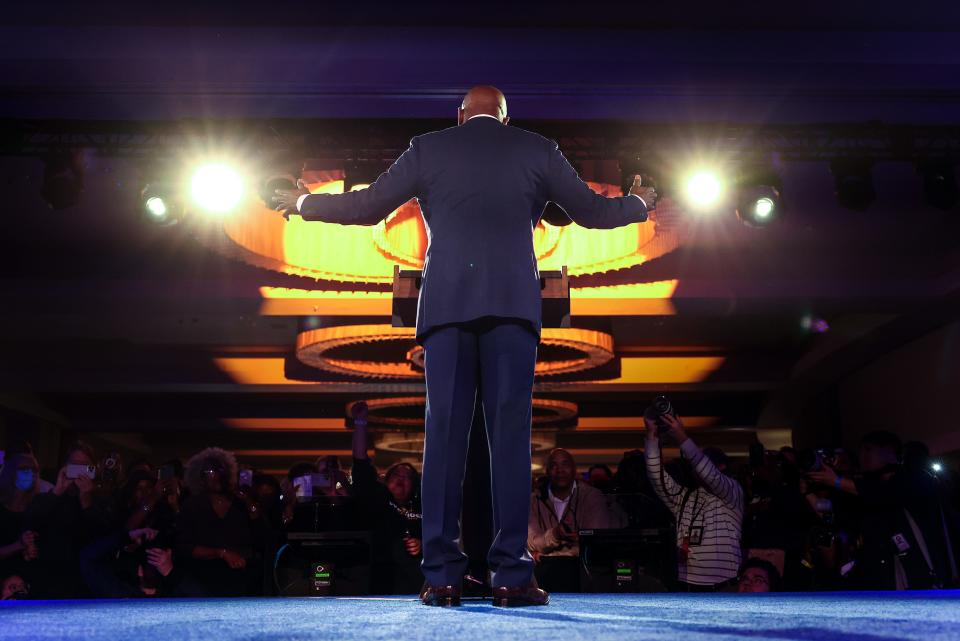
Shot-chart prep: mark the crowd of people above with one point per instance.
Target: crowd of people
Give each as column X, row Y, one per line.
column 784, row 520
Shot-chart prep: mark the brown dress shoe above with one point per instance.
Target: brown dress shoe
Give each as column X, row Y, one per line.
column 447, row 596
column 529, row 594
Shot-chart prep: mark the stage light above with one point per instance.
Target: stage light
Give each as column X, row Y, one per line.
column 758, row 196
column 704, row 189
column 763, row 207
column 160, row 205
column 216, row 188
column 156, row 207
column 853, row 183
column 63, row 179
column 936, row 467
column 939, row 183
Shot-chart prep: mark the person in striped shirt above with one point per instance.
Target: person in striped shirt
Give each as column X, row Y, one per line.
column 709, row 515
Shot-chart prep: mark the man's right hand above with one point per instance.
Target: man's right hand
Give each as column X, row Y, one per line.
column 285, row 200
column 648, row 194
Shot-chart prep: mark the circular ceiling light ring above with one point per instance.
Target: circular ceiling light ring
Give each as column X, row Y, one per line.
column 553, row 412
column 327, row 349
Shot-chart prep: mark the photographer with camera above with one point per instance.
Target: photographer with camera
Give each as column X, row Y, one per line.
column 138, row 563
column 908, row 529
column 708, row 511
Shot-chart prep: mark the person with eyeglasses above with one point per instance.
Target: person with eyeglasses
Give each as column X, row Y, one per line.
column 215, row 532
column 561, row 508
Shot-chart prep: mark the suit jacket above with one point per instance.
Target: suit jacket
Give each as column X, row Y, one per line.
column 482, row 187
column 586, row 510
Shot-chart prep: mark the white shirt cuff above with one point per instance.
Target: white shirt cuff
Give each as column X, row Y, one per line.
column 641, row 200
column 304, row 197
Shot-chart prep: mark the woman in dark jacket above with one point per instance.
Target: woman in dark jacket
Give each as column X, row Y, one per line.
column 215, row 531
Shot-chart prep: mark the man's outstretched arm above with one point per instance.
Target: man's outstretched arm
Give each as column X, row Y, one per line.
column 588, row 208
column 367, row 206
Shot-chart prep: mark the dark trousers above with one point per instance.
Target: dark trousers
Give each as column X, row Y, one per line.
column 499, row 358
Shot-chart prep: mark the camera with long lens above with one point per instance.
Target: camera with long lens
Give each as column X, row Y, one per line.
column 659, row 408
column 151, row 576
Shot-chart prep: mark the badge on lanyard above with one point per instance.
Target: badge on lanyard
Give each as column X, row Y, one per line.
column 696, row 535
column 899, row 540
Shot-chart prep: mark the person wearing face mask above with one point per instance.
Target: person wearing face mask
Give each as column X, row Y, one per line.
column 214, row 529
column 18, row 487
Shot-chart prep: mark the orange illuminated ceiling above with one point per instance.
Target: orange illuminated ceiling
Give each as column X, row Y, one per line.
column 364, row 257
column 367, row 255
column 634, row 299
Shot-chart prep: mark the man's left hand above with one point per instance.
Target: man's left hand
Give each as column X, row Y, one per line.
column 286, row 199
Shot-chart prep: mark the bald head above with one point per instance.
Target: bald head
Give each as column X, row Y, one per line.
column 483, row 99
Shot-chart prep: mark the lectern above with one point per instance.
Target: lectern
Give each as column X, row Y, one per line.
column 554, row 291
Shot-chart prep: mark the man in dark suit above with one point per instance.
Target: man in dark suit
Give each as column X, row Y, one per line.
column 482, row 187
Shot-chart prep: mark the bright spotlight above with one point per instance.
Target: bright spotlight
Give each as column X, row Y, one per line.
column 703, row 189
column 216, row 188
column 763, row 208
column 758, row 201
column 156, row 207
column 160, row 205
column 936, row 467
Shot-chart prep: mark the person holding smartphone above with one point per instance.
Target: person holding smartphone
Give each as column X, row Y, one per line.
column 66, row 520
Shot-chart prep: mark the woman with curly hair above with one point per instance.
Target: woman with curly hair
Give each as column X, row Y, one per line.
column 214, row 533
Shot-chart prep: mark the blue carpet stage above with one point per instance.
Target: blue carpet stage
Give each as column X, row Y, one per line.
column 594, row 617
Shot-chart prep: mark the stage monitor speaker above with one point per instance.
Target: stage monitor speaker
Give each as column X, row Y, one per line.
column 642, row 560
column 324, row 564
